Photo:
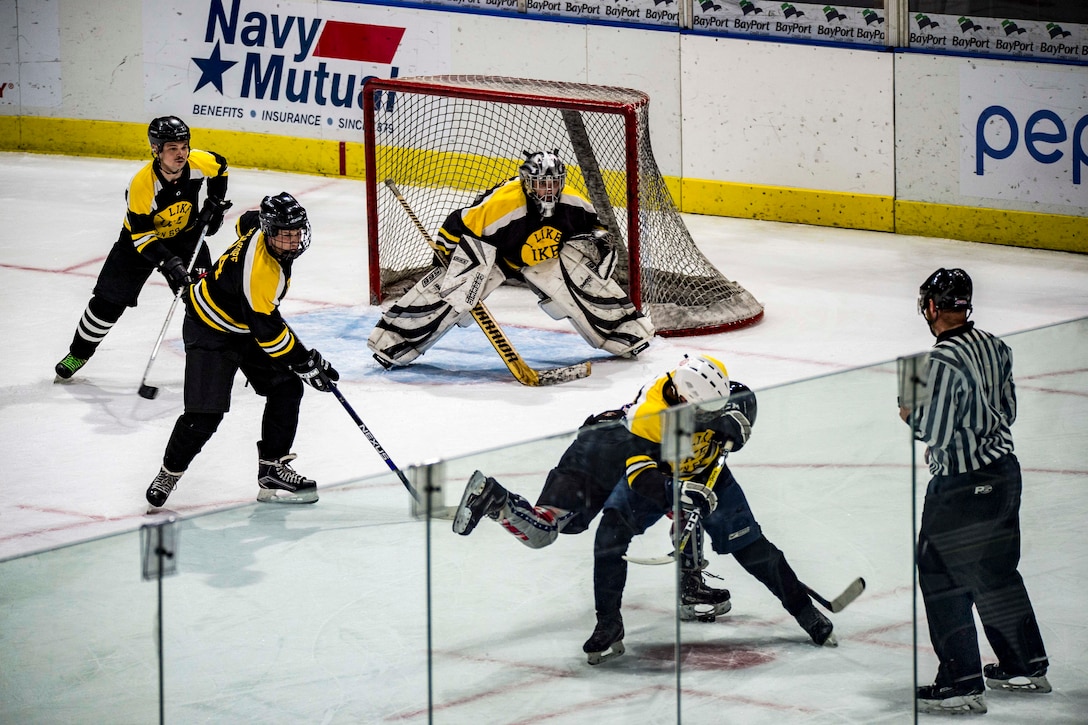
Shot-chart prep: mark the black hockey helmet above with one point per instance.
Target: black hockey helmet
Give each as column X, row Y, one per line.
column 743, row 399
column 281, row 213
column 165, row 129
column 950, row 289
column 543, row 176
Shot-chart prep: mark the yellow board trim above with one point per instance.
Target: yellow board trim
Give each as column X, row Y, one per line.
column 783, row 204
column 996, row 226
column 112, row 139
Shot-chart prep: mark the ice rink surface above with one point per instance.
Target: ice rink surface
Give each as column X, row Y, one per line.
column 318, row 614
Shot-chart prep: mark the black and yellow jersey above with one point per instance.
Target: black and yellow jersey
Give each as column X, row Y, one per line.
column 503, row 217
column 242, row 293
column 167, row 211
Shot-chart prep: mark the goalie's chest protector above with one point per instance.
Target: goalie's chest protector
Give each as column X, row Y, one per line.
column 505, row 219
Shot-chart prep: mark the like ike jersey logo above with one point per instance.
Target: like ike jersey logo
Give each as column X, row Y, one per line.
column 542, row 245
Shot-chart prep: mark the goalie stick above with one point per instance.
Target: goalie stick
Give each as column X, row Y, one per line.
column 150, row 392
column 520, row 369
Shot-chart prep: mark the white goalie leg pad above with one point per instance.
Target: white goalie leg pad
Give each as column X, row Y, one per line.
column 419, row 319
column 599, row 309
column 413, row 323
column 471, row 275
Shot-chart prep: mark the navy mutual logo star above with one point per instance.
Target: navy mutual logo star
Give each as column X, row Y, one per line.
column 212, row 69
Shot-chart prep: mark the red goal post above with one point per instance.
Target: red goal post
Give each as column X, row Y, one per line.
column 446, row 139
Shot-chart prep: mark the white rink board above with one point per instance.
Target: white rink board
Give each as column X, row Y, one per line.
column 722, row 109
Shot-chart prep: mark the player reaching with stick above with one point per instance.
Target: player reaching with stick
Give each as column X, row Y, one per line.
column 647, row 495
column 532, row 228
column 232, row 323
column 161, row 230
column 615, row 464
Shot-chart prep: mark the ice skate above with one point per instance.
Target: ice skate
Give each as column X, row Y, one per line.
column 68, row 367
column 161, row 488
column 952, row 700
column 699, row 602
column 279, row 483
column 818, row 626
column 998, row 678
column 606, row 641
column 483, row 496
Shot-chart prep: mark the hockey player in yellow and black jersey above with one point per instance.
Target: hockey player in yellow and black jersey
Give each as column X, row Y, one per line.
column 232, row 323
column 161, row 230
column 533, row 228
column 615, row 468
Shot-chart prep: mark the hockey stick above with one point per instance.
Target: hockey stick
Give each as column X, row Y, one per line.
column 839, row 603
column 150, row 392
column 374, row 441
column 692, row 520
column 514, row 361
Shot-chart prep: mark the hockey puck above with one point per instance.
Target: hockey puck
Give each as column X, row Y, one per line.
column 148, row 391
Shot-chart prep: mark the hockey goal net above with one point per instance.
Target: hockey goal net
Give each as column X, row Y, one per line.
column 446, row 139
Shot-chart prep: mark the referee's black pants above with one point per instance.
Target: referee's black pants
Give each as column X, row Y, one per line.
column 968, row 553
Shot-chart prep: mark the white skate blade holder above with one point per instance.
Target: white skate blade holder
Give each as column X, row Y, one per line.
column 703, row 612
column 278, row 495
column 596, row 658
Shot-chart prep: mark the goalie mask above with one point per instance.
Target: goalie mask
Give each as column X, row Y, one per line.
column 285, row 226
column 703, row 380
column 543, row 176
column 165, row 129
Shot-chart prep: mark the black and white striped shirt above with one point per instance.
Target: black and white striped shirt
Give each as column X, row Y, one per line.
column 972, row 401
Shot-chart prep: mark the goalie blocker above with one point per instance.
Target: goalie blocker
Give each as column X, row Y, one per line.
column 575, row 285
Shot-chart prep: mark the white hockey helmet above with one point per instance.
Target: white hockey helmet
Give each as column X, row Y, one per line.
column 702, row 380
column 543, row 176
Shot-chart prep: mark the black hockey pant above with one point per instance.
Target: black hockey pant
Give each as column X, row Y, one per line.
column 620, row 524
column 211, row 361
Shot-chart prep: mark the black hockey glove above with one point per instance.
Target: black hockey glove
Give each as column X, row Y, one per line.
column 732, row 426
column 211, row 215
column 695, row 497
column 317, row 372
column 173, row 269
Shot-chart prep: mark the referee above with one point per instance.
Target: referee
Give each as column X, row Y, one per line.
column 969, row 539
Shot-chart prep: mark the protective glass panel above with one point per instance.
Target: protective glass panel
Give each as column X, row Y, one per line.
column 1000, row 559
column 513, row 600
column 354, row 611
column 817, row 508
column 78, row 635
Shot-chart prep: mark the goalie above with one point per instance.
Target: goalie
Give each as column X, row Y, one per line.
column 530, row 228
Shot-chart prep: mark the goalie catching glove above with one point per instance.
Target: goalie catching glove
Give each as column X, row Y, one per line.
column 173, row 269
column 599, row 249
column 316, row 372
column 211, row 214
